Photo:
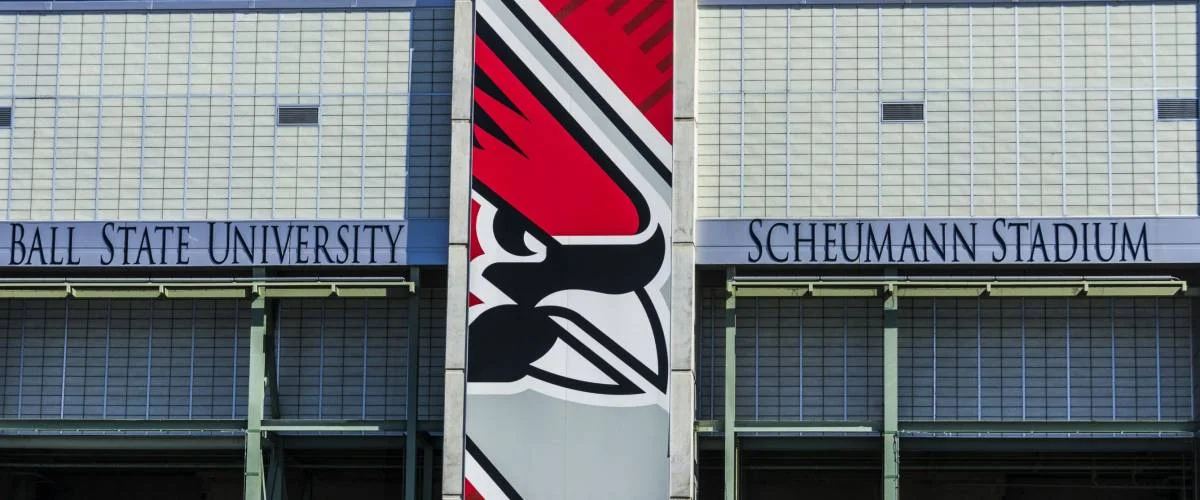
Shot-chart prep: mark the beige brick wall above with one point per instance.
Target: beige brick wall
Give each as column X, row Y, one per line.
column 1030, row 111
column 172, row 115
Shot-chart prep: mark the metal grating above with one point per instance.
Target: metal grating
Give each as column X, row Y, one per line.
column 902, row 112
column 6, row 117
column 297, row 115
column 1178, row 109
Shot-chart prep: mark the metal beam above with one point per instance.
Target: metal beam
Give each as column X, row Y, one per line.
column 891, row 438
column 414, row 377
column 199, row 288
column 1048, row 427
column 762, row 426
column 783, row 287
column 731, row 465
column 117, row 426
column 256, row 375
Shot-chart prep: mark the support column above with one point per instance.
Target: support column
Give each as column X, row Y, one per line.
column 891, row 443
column 462, row 74
column 683, row 259
column 413, row 395
column 256, row 376
column 1195, row 365
column 731, row 452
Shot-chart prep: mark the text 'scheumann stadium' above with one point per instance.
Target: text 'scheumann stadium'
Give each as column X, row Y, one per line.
column 598, row 249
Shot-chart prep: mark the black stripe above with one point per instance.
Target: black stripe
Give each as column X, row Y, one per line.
column 605, row 108
column 486, row 123
column 489, row 87
column 493, row 41
column 490, row 469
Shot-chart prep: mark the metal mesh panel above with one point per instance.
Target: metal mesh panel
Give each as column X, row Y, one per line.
column 433, row 354
column 348, row 358
column 123, row 359
column 343, row 358
column 1045, row 359
column 810, row 359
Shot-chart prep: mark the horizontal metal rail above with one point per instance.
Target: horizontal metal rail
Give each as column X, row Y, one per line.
column 190, row 289
column 766, row 287
column 231, row 425
column 742, row 427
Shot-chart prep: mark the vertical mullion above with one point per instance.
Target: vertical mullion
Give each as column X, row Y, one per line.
column 924, row 99
column 971, row 106
column 1154, row 96
column 1068, row 359
column 275, row 128
column 979, row 359
column 232, row 98
column 187, row 136
column 320, row 103
column 1108, row 119
column 1062, row 123
column 1017, row 142
column 99, row 119
column 362, row 159
column 192, row 361
column 1024, row 386
column 801, row 412
column 879, row 102
column 741, row 111
column 757, row 359
column 787, row 118
column 833, row 165
column 149, row 355
column 1157, row 363
column 54, row 136
column 321, row 364
column 13, row 92
column 141, row 194
column 1112, row 331
column 62, row 392
column 365, row 332
column 107, row 349
column 935, row 359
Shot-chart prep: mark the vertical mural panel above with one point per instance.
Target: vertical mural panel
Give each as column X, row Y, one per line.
column 567, row 362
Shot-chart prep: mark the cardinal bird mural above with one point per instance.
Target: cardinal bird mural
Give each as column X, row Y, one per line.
column 567, row 356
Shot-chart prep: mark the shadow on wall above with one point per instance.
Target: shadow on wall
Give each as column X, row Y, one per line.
column 427, row 188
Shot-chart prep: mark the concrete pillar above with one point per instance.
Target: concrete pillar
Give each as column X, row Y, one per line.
column 683, row 258
column 456, row 269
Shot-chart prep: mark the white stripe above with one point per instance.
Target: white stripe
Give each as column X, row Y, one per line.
column 659, row 209
column 482, row 482
column 596, row 76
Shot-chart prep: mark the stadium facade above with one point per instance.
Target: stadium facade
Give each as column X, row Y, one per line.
column 598, row 249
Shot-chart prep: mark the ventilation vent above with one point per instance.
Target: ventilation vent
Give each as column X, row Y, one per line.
column 902, row 112
column 297, row 115
column 6, row 117
column 1177, row 109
